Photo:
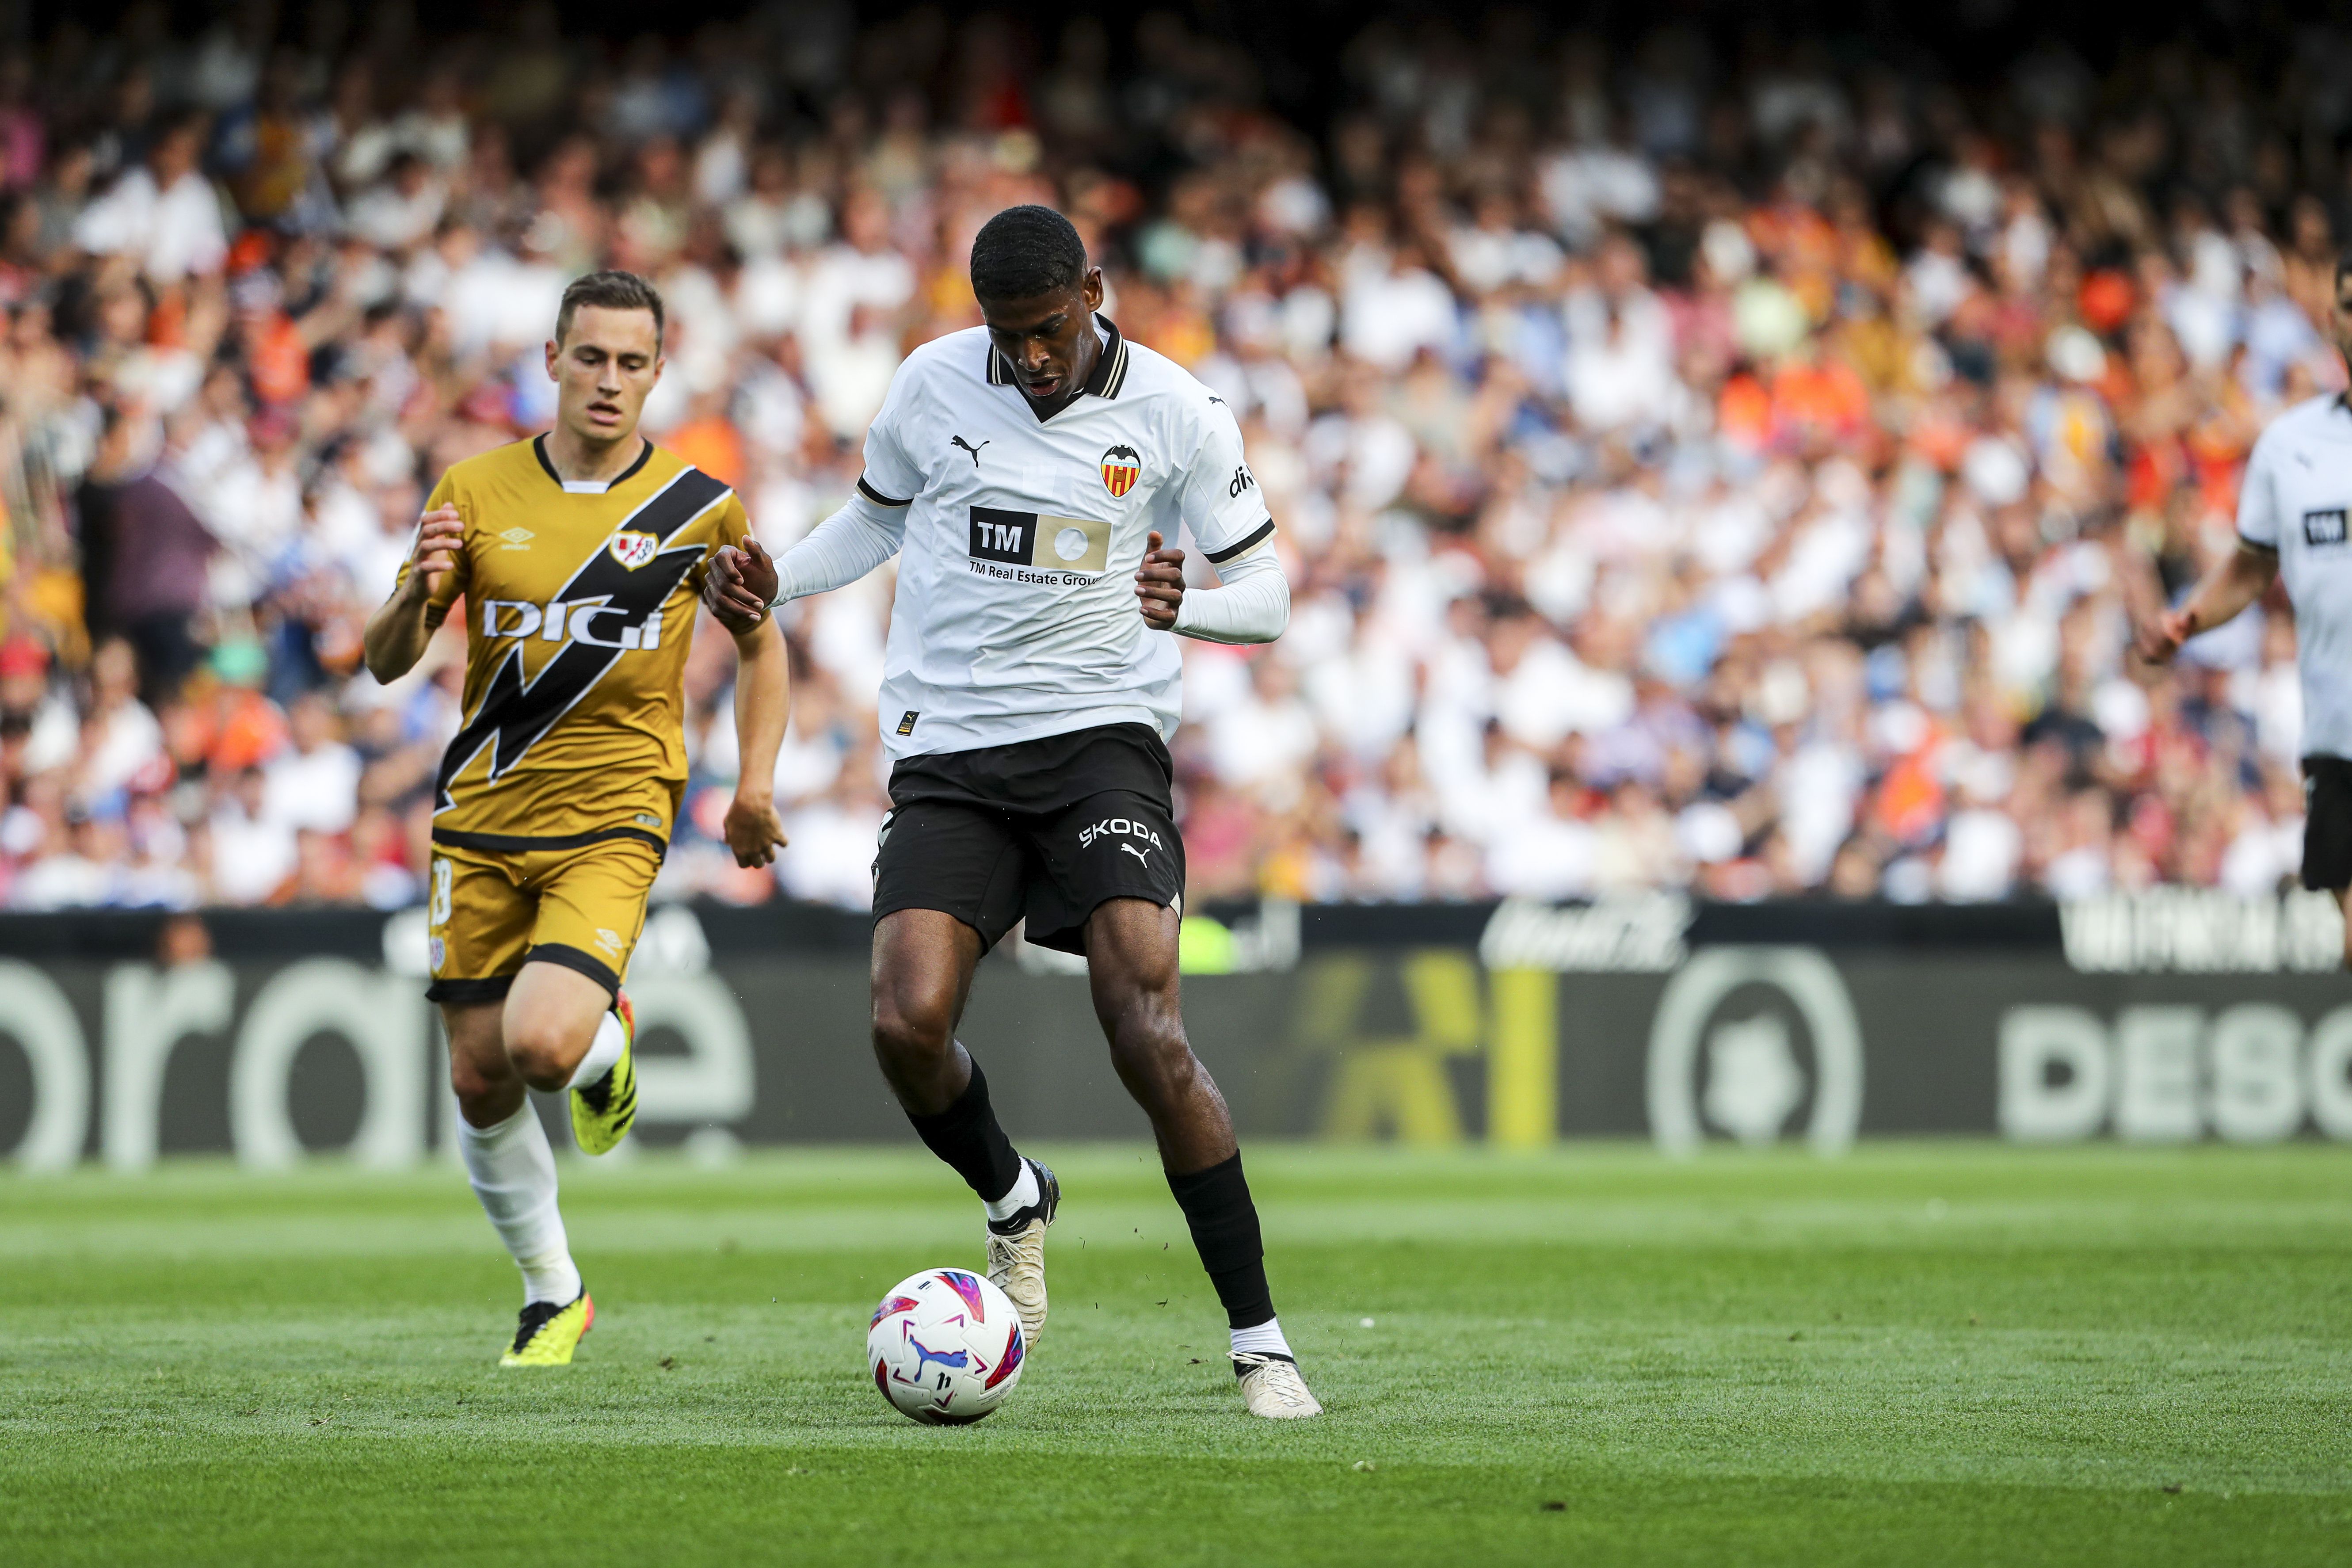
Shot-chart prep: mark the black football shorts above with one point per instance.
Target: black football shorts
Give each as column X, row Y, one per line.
column 1044, row 830
column 2326, row 823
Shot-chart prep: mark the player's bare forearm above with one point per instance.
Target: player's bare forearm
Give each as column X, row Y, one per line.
column 2224, row 594
column 397, row 633
column 762, row 703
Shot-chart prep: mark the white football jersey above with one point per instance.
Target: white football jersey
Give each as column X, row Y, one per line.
column 1016, row 616
column 2296, row 498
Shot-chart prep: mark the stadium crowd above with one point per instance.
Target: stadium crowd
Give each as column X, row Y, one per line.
column 1731, row 465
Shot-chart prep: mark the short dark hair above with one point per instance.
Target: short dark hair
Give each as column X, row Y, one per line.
column 609, row 290
column 1026, row 251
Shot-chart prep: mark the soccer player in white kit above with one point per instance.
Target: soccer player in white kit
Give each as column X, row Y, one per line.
column 2292, row 511
column 1026, row 472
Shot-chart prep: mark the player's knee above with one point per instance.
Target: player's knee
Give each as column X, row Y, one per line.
column 472, row 1080
column 542, row 1051
column 911, row 1035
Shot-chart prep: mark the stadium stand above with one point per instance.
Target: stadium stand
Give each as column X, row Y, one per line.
column 1735, row 469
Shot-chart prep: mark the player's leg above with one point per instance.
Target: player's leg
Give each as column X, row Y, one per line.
column 568, row 1024
column 512, row 1169
column 1132, row 945
column 514, row 1025
column 947, row 885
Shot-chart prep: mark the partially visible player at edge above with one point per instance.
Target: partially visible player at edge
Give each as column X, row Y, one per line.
column 579, row 555
column 2292, row 506
column 1024, row 471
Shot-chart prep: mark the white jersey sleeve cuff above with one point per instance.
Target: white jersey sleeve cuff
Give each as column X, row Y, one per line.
column 1253, row 607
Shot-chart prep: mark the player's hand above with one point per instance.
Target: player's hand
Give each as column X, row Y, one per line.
column 1160, row 583
column 738, row 587
column 440, row 533
column 2159, row 641
column 754, row 831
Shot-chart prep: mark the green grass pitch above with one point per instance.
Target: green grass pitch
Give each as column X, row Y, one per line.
column 1918, row 1354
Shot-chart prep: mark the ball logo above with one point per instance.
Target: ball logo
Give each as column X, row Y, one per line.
column 1121, row 466
column 632, row 550
column 1754, row 1077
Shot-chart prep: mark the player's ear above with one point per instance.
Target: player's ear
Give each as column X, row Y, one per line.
column 1092, row 288
column 553, row 351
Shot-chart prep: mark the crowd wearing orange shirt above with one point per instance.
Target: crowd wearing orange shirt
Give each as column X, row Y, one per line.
column 1709, row 462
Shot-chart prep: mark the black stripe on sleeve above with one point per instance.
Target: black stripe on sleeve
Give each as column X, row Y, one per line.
column 877, row 497
column 1258, row 537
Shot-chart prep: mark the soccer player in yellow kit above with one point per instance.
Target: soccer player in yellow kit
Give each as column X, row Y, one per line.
column 578, row 556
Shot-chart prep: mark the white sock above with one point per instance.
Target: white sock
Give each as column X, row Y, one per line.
column 1261, row 1339
column 602, row 1052
column 513, row 1173
column 1023, row 1194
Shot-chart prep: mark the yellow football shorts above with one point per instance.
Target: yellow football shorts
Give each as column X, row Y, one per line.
column 491, row 912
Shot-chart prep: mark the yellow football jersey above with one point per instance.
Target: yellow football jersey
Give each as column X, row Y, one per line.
column 579, row 607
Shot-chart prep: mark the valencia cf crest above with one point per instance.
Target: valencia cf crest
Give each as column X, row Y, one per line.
column 634, row 550
column 1121, row 467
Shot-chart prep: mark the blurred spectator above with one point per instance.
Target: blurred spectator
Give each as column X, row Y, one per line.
column 1699, row 464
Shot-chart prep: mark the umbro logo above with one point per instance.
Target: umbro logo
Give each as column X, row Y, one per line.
column 518, row 538
column 960, row 441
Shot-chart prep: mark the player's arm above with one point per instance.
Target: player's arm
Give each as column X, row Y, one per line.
column 742, row 585
column 2238, row 582
column 403, row 625
column 1252, row 604
column 764, row 694
column 2226, row 590
column 1221, row 503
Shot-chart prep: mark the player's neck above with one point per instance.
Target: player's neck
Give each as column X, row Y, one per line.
column 577, row 460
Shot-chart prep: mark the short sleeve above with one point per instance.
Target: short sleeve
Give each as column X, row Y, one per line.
column 1221, row 503
column 2258, row 517
column 891, row 477
column 453, row 582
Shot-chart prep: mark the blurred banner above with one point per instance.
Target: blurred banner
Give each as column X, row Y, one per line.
column 2172, row 1016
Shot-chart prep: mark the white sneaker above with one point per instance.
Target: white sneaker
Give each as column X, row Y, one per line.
column 1272, row 1387
column 1016, row 1255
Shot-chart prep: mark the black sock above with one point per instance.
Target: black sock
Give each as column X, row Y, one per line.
column 967, row 1137
column 1216, row 1205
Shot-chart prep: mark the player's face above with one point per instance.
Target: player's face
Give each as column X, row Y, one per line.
column 1049, row 340
column 602, row 370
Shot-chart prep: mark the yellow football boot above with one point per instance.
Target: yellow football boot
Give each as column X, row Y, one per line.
column 548, row 1333
column 602, row 1114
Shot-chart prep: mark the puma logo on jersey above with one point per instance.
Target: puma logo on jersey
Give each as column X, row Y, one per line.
column 960, row 441
column 1139, row 854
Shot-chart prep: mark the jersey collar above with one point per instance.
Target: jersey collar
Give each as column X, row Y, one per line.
column 1104, row 380
column 588, row 487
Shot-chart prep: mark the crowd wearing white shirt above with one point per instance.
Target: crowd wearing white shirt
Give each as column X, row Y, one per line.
column 1698, row 463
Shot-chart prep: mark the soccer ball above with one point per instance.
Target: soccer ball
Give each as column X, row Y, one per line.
column 945, row 1346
